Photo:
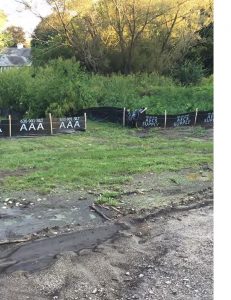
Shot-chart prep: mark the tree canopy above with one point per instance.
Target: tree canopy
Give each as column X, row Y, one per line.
column 124, row 36
column 16, row 34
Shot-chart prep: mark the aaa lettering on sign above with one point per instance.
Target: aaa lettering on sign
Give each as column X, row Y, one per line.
column 31, row 125
column 67, row 123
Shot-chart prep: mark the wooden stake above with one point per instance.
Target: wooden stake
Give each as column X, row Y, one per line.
column 99, row 212
column 51, row 125
column 10, row 126
column 165, row 119
column 124, row 115
column 85, row 121
column 196, row 116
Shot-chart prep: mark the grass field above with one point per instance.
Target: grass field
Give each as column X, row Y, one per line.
column 104, row 155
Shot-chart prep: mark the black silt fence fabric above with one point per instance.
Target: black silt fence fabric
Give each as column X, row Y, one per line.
column 135, row 118
column 104, row 114
column 205, row 118
column 4, row 128
column 30, row 127
column 68, row 124
column 153, row 121
column 187, row 119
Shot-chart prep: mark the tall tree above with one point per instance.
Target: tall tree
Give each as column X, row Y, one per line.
column 126, row 35
column 17, row 35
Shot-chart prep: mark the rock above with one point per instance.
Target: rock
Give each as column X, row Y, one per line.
column 141, row 275
column 127, row 273
column 168, row 282
column 174, row 292
column 94, row 291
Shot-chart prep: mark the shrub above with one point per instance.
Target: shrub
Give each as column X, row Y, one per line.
column 62, row 88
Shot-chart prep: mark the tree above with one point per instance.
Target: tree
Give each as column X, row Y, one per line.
column 124, row 35
column 3, row 36
column 48, row 42
column 17, row 35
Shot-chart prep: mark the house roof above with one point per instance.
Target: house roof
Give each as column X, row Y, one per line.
column 13, row 57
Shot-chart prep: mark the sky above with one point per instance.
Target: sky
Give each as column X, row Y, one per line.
column 17, row 16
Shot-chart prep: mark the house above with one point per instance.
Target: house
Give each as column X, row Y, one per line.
column 15, row 57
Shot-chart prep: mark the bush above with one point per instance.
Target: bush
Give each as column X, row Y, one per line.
column 189, row 73
column 62, row 88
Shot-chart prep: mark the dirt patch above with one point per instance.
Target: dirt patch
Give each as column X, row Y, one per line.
column 167, row 255
column 196, row 133
column 8, row 173
column 27, row 213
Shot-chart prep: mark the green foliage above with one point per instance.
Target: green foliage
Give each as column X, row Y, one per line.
column 17, row 35
column 13, row 89
column 189, row 73
column 62, row 88
column 124, row 36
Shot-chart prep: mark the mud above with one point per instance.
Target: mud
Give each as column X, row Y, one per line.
column 163, row 256
column 20, row 221
column 36, row 255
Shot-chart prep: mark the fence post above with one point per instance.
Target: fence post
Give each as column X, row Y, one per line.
column 10, row 126
column 51, row 125
column 165, row 119
column 196, row 116
column 124, row 116
column 85, row 121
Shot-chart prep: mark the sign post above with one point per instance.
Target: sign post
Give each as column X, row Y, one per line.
column 51, row 125
column 165, row 119
column 85, row 121
column 10, row 126
column 124, row 115
column 196, row 116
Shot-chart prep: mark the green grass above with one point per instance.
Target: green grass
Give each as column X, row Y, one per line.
column 109, row 198
column 104, row 156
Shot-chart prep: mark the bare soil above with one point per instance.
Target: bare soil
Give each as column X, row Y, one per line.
column 164, row 255
column 158, row 244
